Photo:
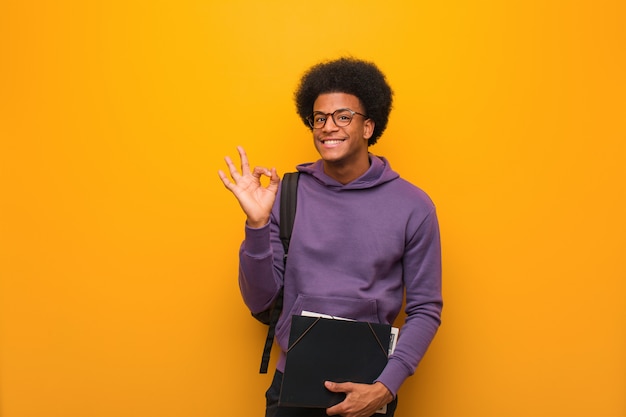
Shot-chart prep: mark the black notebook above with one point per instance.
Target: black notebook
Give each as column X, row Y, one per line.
column 323, row 349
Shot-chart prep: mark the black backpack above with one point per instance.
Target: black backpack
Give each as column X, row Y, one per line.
column 288, row 199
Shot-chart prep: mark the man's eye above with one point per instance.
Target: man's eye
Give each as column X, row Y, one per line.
column 320, row 119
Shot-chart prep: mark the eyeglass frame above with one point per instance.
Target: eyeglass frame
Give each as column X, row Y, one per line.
column 311, row 118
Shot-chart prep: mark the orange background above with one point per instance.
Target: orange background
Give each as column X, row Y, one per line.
column 118, row 255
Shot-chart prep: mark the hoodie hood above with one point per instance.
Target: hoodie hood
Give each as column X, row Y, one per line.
column 378, row 173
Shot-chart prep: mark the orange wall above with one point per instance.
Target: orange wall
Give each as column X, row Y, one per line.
column 119, row 243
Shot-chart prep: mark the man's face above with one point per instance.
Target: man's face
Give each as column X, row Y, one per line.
column 347, row 145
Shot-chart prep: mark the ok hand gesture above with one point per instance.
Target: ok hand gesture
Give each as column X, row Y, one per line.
column 255, row 200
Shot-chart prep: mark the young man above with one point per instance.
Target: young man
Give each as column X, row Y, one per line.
column 363, row 237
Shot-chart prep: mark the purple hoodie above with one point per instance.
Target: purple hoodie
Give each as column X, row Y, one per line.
column 354, row 250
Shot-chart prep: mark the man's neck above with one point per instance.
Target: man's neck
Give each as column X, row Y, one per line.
column 345, row 174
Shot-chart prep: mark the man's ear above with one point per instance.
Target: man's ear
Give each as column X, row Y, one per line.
column 368, row 128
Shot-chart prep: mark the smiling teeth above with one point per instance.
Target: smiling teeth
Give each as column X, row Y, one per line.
column 332, row 142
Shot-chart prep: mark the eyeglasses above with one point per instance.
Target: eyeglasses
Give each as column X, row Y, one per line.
column 341, row 118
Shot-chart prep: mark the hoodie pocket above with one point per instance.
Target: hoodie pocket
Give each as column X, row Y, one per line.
column 347, row 308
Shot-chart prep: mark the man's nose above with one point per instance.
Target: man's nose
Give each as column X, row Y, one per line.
column 330, row 124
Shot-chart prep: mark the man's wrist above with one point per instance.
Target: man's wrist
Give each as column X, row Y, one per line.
column 257, row 224
column 384, row 392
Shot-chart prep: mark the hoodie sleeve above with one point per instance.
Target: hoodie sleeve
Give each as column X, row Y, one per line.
column 260, row 265
column 422, row 278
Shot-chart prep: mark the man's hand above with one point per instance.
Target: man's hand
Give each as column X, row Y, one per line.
column 255, row 200
column 362, row 400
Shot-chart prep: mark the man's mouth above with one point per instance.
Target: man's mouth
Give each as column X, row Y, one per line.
column 332, row 141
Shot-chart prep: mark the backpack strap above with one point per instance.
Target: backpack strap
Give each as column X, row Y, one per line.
column 288, row 199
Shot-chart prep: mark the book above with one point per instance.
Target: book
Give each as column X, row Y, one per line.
column 331, row 349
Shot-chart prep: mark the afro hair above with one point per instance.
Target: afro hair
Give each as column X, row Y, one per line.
column 350, row 76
